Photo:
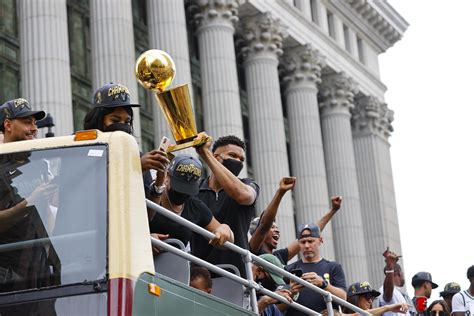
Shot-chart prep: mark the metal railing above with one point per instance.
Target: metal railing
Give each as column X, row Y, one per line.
column 248, row 258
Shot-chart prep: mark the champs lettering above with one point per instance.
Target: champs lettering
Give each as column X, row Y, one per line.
column 189, row 169
column 20, row 103
column 117, row 90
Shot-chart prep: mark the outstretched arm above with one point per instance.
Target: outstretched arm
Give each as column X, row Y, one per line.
column 11, row 215
column 336, row 202
column 394, row 308
column 236, row 189
column 268, row 217
column 389, row 284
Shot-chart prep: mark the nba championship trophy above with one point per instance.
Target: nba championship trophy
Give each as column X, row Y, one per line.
column 155, row 70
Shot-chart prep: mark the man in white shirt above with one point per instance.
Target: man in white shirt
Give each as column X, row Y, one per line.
column 463, row 302
column 393, row 290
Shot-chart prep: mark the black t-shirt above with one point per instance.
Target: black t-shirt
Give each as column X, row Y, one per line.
column 281, row 254
column 226, row 211
column 310, row 298
column 194, row 211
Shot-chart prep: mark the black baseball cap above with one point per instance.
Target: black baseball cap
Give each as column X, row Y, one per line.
column 361, row 288
column 450, row 289
column 185, row 172
column 18, row 108
column 112, row 95
column 314, row 231
column 422, row 277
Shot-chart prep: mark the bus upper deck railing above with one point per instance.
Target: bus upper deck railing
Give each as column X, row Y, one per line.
column 248, row 259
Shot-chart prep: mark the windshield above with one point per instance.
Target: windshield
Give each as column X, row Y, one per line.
column 53, row 212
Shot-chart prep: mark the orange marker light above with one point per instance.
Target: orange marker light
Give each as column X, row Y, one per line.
column 86, row 135
column 154, row 289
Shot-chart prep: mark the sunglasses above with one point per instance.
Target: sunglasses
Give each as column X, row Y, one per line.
column 438, row 313
column 368, row 296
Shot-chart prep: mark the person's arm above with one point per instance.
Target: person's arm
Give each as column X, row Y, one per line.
column 157, row 160
column 336, row 202
column 268, row 217
column 388, row 285
column 240, row 192
column 394, row 308
column 222, row 231
column 11, row 215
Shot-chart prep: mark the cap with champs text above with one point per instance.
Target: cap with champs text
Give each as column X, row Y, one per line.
column 361, row 288
column 112, row 95
column 19, row 108
column 185, row 172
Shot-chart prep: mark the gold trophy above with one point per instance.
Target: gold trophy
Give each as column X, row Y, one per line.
column 155, row 71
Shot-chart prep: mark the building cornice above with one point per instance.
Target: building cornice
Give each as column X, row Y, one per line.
column 304, row 31
column 375, row 19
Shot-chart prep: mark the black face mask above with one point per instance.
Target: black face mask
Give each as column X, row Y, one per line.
column 127, row 128
column 177, row 198
column 268, row 283
column 233, row 165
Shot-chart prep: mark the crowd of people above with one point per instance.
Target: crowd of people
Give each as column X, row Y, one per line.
column 225, row 205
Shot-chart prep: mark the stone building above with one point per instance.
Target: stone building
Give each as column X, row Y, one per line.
column 298, row 80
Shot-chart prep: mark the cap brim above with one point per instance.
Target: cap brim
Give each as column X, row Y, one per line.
column 434, row 285
column 278, row 279
column 375, row 293
column 184, row 187
column 118, row 105
column 38, row 115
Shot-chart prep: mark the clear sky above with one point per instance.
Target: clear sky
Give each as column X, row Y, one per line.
column 429, row 75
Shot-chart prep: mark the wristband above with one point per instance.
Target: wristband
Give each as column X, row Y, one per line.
column 324, row 284
column 156, row 191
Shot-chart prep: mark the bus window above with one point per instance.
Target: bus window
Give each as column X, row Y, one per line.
column 58, row 240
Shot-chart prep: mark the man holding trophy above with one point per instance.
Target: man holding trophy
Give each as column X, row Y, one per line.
column 231, row 200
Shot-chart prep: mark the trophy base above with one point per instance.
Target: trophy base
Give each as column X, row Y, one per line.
column 200, row 139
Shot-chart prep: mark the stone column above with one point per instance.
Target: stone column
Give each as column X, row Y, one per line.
column 263, row 37
column 168, row 32
column 336, row 99
column 220, row 86
column 45, row 71
column 301, row 72
column 371, row 127
column 113, row 49
column 305, row 7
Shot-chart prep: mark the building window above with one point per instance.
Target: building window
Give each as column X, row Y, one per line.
column 347, row 39
column 145, row 97
column 9, row 52
column 331, row 26
column 360, row 49
column 80, row 59
column 314, row 11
